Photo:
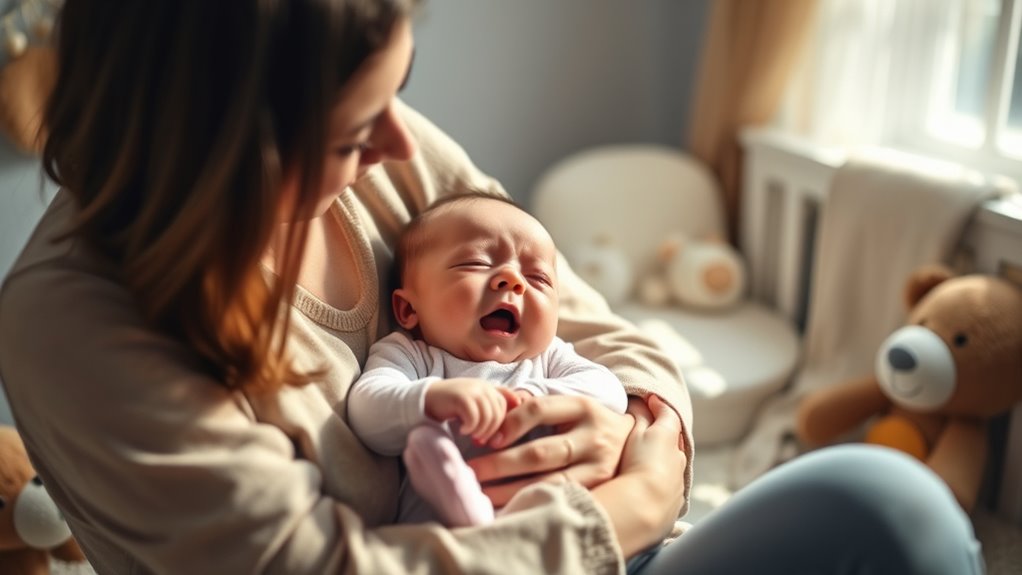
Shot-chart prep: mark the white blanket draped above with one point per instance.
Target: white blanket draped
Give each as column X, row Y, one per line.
column 886, row 214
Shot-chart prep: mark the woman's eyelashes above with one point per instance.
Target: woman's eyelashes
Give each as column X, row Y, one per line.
column 350, row 149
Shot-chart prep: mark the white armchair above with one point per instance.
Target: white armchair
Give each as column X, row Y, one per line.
column 635, row 196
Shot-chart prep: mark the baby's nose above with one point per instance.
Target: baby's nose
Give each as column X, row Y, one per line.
column 508, row 279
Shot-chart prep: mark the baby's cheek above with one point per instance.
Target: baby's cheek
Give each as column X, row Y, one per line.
column 460, row 302
column 544, row 323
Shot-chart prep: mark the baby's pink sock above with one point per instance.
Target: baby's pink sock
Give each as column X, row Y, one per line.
column 441, row 477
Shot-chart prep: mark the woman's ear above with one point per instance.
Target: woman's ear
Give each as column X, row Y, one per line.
column 404, row 312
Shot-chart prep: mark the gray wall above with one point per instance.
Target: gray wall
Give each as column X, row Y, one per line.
column 21, row 203
column 523, row 83
column 24, row 199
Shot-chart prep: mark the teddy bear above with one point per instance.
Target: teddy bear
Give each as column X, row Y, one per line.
column 31, row 527
column 705, row 274
column 938, row 380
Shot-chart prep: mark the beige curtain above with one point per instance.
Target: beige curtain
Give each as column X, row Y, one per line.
column 750, row 49
column 25, row 83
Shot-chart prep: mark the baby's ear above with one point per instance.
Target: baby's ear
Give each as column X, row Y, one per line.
column 404, row 313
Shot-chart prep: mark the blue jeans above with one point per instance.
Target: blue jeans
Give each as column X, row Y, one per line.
column 851, row 509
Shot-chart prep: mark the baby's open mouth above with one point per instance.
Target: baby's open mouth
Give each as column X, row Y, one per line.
column 501, row 320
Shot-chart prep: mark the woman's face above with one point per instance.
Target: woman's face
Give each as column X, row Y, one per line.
column 364, row 127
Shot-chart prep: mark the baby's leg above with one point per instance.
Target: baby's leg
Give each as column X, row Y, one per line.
column 440, row 476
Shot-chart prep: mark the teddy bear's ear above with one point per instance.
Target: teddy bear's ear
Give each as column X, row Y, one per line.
column 670, row 247
column 924, row 279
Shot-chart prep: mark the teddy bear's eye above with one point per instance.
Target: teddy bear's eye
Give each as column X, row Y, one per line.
column 961, row 339
column 37, row 481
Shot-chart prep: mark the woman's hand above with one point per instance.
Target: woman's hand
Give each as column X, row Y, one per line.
column 586, row 448
column 656, row 449
column 644, row 500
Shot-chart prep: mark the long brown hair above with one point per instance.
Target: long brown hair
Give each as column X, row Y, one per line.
column 172, row 124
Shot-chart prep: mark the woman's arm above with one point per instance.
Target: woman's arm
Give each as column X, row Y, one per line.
column 600, row 335
column 645, row 498
column 160, row 468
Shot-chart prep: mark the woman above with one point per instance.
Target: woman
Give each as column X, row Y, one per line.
column 178, row 336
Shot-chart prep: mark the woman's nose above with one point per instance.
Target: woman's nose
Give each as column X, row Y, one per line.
column 390, row 140
column 508, row 279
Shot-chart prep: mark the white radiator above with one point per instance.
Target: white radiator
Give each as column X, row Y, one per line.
column 785, row 182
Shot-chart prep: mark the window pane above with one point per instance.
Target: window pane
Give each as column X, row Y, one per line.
column 1015, row 107
column 979, row 36
column 1010, row 138
column 965, row 62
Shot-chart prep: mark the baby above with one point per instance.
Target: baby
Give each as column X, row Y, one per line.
column 478, row 301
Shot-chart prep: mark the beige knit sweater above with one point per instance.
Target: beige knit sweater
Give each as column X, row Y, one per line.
column 160, row 469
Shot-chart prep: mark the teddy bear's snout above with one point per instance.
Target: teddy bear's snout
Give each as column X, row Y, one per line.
column 901, row 359
column 915, row 368
column 37, row 520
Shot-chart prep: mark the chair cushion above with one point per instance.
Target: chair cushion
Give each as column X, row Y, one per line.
column 732, row 360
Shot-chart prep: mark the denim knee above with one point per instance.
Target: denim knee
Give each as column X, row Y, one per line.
column 896, row 502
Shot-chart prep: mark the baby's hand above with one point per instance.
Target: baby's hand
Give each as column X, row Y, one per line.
column 479, row 405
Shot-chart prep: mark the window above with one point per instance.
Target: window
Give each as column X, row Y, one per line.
column 933, row 77
column 960, row 109
column 972, row 99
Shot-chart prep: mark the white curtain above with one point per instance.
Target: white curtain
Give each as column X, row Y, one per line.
column 870, row 70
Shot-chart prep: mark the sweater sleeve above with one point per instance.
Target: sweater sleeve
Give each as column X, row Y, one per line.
column 388, row 399
column 608, row 339
column 161, row 469
column 568, row 373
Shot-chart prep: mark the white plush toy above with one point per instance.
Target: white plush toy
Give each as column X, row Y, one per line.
column 701, row 274
column 604, row 266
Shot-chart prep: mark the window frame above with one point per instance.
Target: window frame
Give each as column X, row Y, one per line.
column 914, row 133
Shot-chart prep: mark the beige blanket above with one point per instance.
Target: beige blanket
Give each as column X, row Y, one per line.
column 886, row 214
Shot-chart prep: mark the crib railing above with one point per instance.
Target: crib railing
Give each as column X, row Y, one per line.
column 786, row 180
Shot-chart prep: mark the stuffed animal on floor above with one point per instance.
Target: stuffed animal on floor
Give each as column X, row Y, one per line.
column 31, row 526
column 604, row 266
column 938, row 380
column 706, row 274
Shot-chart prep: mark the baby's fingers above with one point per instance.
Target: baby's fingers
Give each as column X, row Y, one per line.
column 493, row 416
column 511, row 400
column 469, row 416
